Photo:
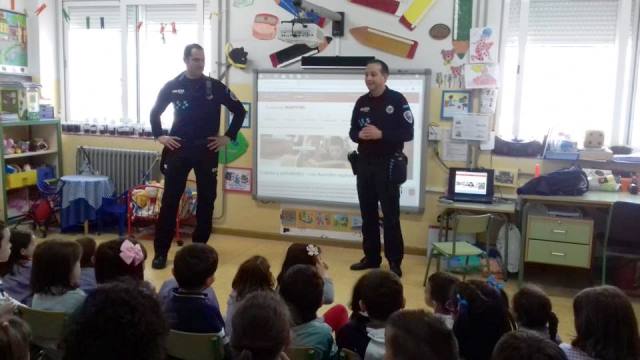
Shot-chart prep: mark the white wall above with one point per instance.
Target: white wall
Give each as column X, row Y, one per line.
column 427, row 55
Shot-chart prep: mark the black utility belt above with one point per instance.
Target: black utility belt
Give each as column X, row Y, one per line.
column 395, row 163
column 193, row 142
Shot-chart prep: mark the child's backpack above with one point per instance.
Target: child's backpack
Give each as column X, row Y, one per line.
column 572, row 181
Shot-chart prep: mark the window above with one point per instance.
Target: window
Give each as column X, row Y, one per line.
column 93, row 64
column 634, row 73
column 572, row 72
column 156, row 37
column 159, row 58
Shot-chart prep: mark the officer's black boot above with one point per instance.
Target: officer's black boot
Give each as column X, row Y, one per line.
column 159, row 262
column 395, row 268
column 363, row 265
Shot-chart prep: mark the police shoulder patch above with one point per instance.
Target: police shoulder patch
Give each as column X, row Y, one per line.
column 232, row 95
column 408, row 116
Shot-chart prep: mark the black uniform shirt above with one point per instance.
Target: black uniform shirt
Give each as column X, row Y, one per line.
column 196, row 104
column 390, row 113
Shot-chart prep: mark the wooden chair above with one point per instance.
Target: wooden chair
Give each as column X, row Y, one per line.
column 346, row 354
column 301, row 353
column 462, row 224
column 194, row 346
column 47, row 330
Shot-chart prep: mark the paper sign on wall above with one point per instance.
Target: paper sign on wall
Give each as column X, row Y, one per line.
column 453, row 150
column 470, row 127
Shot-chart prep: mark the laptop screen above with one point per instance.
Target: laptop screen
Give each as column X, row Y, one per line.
column 471, row 182
column 475, row 185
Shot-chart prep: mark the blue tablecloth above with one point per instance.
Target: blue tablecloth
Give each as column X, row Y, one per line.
column 81, row 197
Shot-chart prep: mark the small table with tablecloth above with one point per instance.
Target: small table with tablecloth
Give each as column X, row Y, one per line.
column 81, row 197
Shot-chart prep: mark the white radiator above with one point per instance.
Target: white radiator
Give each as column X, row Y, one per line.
column 125, row 167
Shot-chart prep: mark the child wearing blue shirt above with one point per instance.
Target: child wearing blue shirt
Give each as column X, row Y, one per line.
column 188, row 307
column 55, row 276
column 301, row 288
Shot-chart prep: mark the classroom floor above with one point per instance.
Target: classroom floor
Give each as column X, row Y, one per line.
column 234, row 250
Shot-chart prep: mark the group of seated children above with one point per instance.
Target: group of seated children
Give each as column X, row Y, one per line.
column 115, row 314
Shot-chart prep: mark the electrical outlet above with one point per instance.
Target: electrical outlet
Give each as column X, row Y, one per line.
column 434, row 134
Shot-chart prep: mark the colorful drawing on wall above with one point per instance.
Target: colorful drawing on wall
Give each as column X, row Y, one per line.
column 323, row 220
column 293, row 10
column 484, row 47
column 288, row 217
column 356, row 223
column 246, row 124
column 455, row 80
column 415, row 13
column 481, row 76
column 13, row 42
column 242, row 3
column 388, row 6
column 439, row 31
column 454, row 103
column 462, row 16
column 237, row 179
column 306, row 219
column 264, row 26
column 447, row 56
column 340, row 222
column 234, row 150
column 439, row 79
column 506, row 178
column 384, row 41
column 294, row 53
column 314, row 219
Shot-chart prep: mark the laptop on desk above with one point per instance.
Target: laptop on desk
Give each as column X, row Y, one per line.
column 471, row 185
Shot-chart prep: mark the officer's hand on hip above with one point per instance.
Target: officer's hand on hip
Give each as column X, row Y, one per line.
column 170, row 141
column 370, row 132
column 217, row 142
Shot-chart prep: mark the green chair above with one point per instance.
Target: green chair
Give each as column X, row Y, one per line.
column 194, row 346
column 301, row 353
column 346, row 354
column 47, row 330
column 462, row 224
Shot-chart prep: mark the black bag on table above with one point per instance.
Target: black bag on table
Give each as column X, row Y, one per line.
column 571, row 181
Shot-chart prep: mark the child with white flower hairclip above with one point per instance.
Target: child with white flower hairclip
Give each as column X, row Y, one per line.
column 310, row 254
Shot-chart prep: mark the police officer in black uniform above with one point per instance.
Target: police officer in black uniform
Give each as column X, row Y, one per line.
column 381, row 123
column 192, row 143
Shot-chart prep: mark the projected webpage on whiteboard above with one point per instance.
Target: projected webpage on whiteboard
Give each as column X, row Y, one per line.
column 303, row 122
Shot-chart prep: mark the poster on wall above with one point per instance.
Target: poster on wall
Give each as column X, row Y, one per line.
column 13, row 42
